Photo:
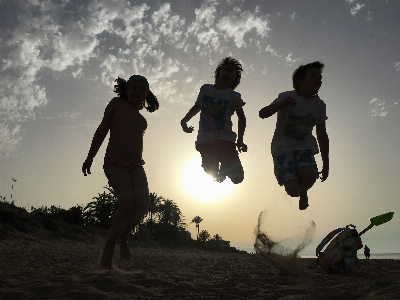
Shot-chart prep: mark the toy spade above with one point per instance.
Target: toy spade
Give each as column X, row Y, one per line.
column 378, row 220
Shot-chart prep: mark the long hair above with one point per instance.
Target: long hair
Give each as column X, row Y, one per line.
column 151, row 99
column 301, row 72
column 233, row 62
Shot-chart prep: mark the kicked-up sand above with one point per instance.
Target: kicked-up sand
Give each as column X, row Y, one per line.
column 47, row 260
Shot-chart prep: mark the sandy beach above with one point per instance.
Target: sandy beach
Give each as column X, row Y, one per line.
column 48, row 260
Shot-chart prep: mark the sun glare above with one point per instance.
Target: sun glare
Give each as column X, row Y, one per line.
column 201, row 186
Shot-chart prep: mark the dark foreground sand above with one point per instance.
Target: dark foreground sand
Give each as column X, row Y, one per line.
column 61, row 262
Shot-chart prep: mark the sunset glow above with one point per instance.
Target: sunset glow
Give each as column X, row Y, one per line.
column 200, row 185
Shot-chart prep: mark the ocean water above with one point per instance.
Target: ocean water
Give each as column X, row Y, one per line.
column 373, row 256
column 381, row 256
column 360, row 255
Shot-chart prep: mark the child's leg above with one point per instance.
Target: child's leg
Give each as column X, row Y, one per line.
column 209, row 161
column 293, row 187
column 286, row 173
column 230, row 162
column 210, row 165
column 120, row 180
column 308, row 176
column 141, row 197
column 234, row 171
column 297, row 171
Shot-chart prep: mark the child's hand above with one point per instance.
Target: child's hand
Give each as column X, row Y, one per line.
column 186, row 128
column 86, row 166
column 324, row 174
column 242, row 147
column 290, row 101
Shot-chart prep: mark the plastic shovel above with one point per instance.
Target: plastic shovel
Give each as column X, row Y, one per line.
column 378, row 220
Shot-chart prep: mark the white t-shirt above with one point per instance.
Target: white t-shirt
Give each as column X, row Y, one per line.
column 294, row 125
column 217, row 107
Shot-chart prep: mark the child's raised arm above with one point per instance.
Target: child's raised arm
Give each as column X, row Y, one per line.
column 191, row 113
column 272, row 109
column 99, row 136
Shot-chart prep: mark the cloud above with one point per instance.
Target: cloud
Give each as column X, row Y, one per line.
column 272, row 51
column 73, row 115
column 169, row 25
column 291, row 60
column 205, row 16
column 293, row 16
column 397, row 66
column 78, row 73
column 369, row 16
column 377, row 108
column 10, row 138
column 356, row 9
column 105, row 39
column 211, row 31
column 264, row 71
column 237, row 23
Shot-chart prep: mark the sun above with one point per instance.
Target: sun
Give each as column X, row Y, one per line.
column 202, row 186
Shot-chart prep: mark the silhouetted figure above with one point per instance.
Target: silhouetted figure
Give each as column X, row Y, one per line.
column 123, row 163
column 367, row 252
column 216, row 140
column 293, row 146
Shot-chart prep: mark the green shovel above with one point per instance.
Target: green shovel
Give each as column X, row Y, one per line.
column 378, row 220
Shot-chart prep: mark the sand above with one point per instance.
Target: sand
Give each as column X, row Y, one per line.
column 49, row 260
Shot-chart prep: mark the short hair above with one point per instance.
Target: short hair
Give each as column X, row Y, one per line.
column 151, row 99
column 302, row 70
column 233, row 62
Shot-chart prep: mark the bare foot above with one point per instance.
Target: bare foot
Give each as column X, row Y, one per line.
column 106, row 259
column 220, row 178
column 303, row 202
column 124, row 250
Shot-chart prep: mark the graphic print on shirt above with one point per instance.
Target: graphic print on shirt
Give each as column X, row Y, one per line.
column 213, row 114
column 299, row 127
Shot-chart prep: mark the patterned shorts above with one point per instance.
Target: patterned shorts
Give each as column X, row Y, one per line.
column 286, row 166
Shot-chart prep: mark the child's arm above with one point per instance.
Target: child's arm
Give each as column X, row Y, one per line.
column 323, row 141
column 99, row 137
column 241, row 128
column 272, row 109
column 191, row 113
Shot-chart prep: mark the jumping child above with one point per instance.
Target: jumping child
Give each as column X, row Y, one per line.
column 293, row 146
column 123, row 163
column 215, row 139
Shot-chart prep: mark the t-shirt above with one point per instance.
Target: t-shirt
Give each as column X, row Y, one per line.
column 217, row 107
column 295, row 124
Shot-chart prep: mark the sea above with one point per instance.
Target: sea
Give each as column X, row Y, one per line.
column 373, row 256
column 308, row 254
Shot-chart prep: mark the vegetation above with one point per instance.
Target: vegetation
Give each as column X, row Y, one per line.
column 163, row 221
column 197, row 220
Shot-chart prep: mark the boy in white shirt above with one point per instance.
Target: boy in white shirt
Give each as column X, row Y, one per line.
column 215, row 139
column 293, row 146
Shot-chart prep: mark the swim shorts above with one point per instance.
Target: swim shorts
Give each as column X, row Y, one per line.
column 286, row 166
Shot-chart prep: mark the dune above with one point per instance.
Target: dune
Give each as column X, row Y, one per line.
column 43, row 259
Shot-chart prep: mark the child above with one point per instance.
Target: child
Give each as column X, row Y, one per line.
column 293, row 146
column 215, row 139
column 123, row 163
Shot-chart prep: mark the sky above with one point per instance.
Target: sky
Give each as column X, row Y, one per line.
column 60, row 59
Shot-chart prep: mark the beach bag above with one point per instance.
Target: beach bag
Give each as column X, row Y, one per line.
column 341, row 253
